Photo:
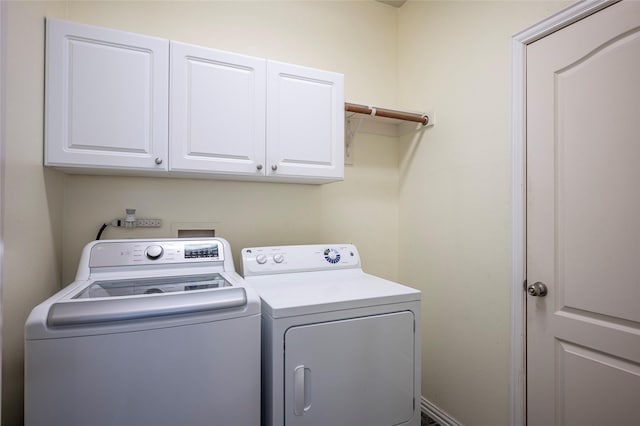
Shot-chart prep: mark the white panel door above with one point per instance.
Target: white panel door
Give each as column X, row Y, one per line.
column 106, row 98
column 355, row 372
column 583, row 232
column 305, row 122
column 217, row 111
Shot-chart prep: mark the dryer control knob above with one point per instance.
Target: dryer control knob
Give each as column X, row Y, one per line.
column 332, row 256
column 278, row 258
column 154, row 252
column 261, row 259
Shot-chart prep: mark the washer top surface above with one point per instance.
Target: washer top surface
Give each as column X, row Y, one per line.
column 302, row 280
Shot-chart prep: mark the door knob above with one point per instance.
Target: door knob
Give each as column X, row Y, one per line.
column 537, row 289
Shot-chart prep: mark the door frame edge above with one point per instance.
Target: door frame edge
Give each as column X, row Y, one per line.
column 519, row 42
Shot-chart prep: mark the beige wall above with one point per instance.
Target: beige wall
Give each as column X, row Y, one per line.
column 50, row 216
column 362, row 209
column 32, row 196
column 432, row 211
column 454, row 196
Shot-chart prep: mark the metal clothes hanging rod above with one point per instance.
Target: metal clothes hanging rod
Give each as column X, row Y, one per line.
column 387, row 113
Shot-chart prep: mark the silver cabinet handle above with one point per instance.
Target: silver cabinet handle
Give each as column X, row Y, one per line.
column 537, row 289
column 274, row 167
column 158, row 160
column 259, row 167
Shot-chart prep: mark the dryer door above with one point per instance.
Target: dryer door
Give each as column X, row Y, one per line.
column 351, row 372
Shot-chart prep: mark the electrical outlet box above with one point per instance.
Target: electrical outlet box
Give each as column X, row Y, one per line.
column 196, row 233
column 148, row 223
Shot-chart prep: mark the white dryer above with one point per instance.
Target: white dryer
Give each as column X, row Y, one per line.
column 151, row 332
column 340, row 347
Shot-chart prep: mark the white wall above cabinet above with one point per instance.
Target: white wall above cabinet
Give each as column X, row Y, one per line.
column 130, row 104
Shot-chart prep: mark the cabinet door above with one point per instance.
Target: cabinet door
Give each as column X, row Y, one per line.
column 305, row 123
column 217, row 111
column 106, row 98
column 356, row 372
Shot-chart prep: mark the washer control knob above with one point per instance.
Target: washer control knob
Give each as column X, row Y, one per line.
column 278, row 258
column 154, row 252
column 261, row 259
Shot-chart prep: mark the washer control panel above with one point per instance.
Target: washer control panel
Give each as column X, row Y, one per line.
column 303, row 258
column 139, row 252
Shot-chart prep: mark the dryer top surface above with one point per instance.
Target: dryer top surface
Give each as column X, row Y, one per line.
column 303, row 293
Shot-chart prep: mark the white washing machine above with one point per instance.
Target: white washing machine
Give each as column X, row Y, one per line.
column 151, row 332
column 339, row 347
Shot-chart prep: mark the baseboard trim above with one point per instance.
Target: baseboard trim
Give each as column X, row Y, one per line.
column 437, row 414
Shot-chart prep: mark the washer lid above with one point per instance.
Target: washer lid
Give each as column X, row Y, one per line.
column 285, row 295
column 105, row 301
column 138, row 286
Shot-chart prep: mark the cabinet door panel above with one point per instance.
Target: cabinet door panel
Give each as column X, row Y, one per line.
column 107, row 94
column 356, row 372
column 305, row 116
column 217, row 111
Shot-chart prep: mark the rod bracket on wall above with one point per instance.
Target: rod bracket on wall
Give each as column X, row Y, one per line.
column 352, row 125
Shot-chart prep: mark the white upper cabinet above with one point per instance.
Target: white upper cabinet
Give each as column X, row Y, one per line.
column 217, row 112
column 127, row 103
column 305, row 123
column 106, row 99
